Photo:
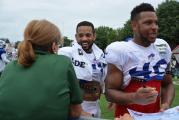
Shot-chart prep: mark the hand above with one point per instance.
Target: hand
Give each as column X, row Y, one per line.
column 125, row 117
column 86, row 114
column 75, row 110
column 144, row 96
column 111, row 106
column 164, row 107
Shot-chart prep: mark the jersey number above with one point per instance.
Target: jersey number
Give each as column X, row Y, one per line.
column 146, row 72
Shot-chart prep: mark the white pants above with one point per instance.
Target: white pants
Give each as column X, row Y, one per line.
column 92, row 107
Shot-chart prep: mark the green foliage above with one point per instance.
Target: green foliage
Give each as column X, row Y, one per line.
column 66, row 41
column 16, row 44
column 107, row 35
column 104, row 36
column 126, row 31
column 168, row 18
column 105, row 112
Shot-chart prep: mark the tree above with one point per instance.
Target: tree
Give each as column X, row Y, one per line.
column 125, row 32
column 66, row 41
column 17, row 44
column 168, row 20
column 107, row 35
column 104, row 36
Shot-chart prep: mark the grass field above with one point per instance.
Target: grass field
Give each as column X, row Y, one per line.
column 107, row 114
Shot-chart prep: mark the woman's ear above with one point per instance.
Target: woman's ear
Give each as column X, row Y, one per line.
column 54, row 48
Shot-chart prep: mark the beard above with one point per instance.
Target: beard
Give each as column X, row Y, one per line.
column 87, row 48
column 145, row 41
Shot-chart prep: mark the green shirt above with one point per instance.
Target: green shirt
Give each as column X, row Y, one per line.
column 43, row 91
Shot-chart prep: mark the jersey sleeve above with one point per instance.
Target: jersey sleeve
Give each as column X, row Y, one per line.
column 4, row 58
column 165, row 52
column 115, row 55
column 67, row 51
column 163, row 49
column 168, row 58
column 169, row 53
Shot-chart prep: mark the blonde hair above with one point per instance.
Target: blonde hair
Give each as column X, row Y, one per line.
column 40, row 35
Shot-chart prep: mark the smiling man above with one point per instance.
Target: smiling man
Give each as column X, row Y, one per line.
column 137, row 76
column 90, row 66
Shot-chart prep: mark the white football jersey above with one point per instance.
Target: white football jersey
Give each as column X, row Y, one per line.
column 138, row 61
column 89, row 67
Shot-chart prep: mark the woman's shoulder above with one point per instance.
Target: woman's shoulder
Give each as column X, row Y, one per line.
column 60, row 58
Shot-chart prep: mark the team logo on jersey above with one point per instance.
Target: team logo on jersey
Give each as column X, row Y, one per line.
column 151, row 56
column 78, row 63
column 80, row 52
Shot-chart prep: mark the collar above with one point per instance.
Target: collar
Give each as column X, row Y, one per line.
column 41, row 52
column 96, row 50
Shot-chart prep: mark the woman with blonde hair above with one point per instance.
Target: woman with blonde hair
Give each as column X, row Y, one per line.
column 40, row 84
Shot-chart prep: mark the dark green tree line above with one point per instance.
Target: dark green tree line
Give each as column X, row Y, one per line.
column 104, row 36
column 66, row 42
column 168, row 19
